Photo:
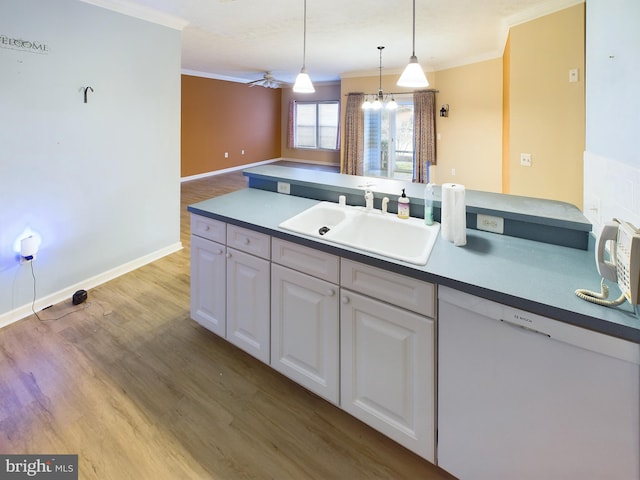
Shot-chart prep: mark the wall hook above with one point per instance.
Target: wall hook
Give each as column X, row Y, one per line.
column 85, row 93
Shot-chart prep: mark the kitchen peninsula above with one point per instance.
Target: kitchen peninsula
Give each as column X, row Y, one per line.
column 532, row 275
column 369, row 304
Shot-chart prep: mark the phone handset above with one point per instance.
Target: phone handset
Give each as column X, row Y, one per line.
column 606, row 269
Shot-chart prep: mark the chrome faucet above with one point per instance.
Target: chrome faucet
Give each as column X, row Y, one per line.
column 368, row 200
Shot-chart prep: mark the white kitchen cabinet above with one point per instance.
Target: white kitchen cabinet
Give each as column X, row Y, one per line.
column 248, row 291
column 389, row 287
column 304, row 330
column 208, row 282
column 527, row 397
column 230, row 287
column 368, row 348
column 305, row 317
column 387, row 368
column 248, row 303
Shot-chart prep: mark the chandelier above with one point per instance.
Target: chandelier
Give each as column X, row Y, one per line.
column 379, row 100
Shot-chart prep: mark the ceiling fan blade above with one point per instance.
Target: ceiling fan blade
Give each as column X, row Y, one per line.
column 267, row 81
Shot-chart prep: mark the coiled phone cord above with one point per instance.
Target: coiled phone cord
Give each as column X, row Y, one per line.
column 600, row 298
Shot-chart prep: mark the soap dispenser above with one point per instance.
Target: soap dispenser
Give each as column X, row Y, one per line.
column 403, row 205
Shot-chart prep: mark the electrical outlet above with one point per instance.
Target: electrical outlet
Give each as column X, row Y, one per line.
column 226, row 154
column 525, row 159
column 284, row 187
column 489, row 223
column 573, row 75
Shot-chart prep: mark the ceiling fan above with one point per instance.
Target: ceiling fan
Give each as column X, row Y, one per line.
column 267, row 81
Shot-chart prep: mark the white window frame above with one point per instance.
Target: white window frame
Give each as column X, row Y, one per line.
column 317, row 125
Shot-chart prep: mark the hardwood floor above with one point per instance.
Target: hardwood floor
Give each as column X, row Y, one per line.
column 139, row 390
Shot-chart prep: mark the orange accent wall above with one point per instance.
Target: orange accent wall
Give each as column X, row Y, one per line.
column 219, row 117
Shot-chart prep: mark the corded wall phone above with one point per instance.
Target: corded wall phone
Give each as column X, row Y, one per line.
column 623, row 268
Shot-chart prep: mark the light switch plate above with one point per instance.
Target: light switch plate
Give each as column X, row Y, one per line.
column 573, row 75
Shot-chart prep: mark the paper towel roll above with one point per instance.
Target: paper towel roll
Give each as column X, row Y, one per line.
column 453, row 216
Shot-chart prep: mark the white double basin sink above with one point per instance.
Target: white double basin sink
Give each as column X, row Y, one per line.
column 408, row 240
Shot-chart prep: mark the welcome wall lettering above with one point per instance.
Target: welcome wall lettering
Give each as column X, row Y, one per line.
column 23, row 45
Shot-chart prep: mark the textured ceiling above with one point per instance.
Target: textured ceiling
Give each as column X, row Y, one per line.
column 241, row 39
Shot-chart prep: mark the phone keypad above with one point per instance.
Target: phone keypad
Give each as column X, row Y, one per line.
column 623, row 260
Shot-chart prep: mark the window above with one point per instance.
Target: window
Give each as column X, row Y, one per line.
column 316, row 125
column 388, row 142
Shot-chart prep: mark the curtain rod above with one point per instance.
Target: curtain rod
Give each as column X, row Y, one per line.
column 393, row 93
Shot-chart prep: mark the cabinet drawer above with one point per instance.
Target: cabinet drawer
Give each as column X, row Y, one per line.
column 249, row 241
column 405, row 292
column 306, row 260
column 209, row 228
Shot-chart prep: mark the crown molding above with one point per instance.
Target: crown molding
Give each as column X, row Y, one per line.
column 214, row 76
column 539, row 10
column 143, row 13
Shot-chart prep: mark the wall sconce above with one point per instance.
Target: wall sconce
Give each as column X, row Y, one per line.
column 444, row 111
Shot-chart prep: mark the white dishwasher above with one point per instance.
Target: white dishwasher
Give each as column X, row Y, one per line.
column 522, row 396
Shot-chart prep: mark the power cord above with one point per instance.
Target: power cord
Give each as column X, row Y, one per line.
column 33, row 303
column 600, row 298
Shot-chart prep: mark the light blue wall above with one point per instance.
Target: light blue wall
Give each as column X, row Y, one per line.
column 612, row 161
column 98, row 181
column 613, row 79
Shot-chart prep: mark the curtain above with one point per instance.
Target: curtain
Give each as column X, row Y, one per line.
column 424, row 124
column 352, row 162
column 291, row 124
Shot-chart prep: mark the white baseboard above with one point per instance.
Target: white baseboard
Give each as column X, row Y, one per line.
column 227, row 170
column 67, row 292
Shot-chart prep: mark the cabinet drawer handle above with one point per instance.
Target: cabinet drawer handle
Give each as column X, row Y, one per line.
column 207, row 228
column 331, row 292
column 246, row 241
column 345, row 299
column 228, row 255
column 219, row 252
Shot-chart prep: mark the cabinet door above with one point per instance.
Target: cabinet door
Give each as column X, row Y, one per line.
column 208, row 284
column 387, row 376
column 248, row 303
column 304, row 330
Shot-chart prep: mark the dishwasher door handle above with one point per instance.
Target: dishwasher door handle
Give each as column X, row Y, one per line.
column 524, row 327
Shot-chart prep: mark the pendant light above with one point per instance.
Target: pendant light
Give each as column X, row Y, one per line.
column 303, row 82
column 413, row 75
